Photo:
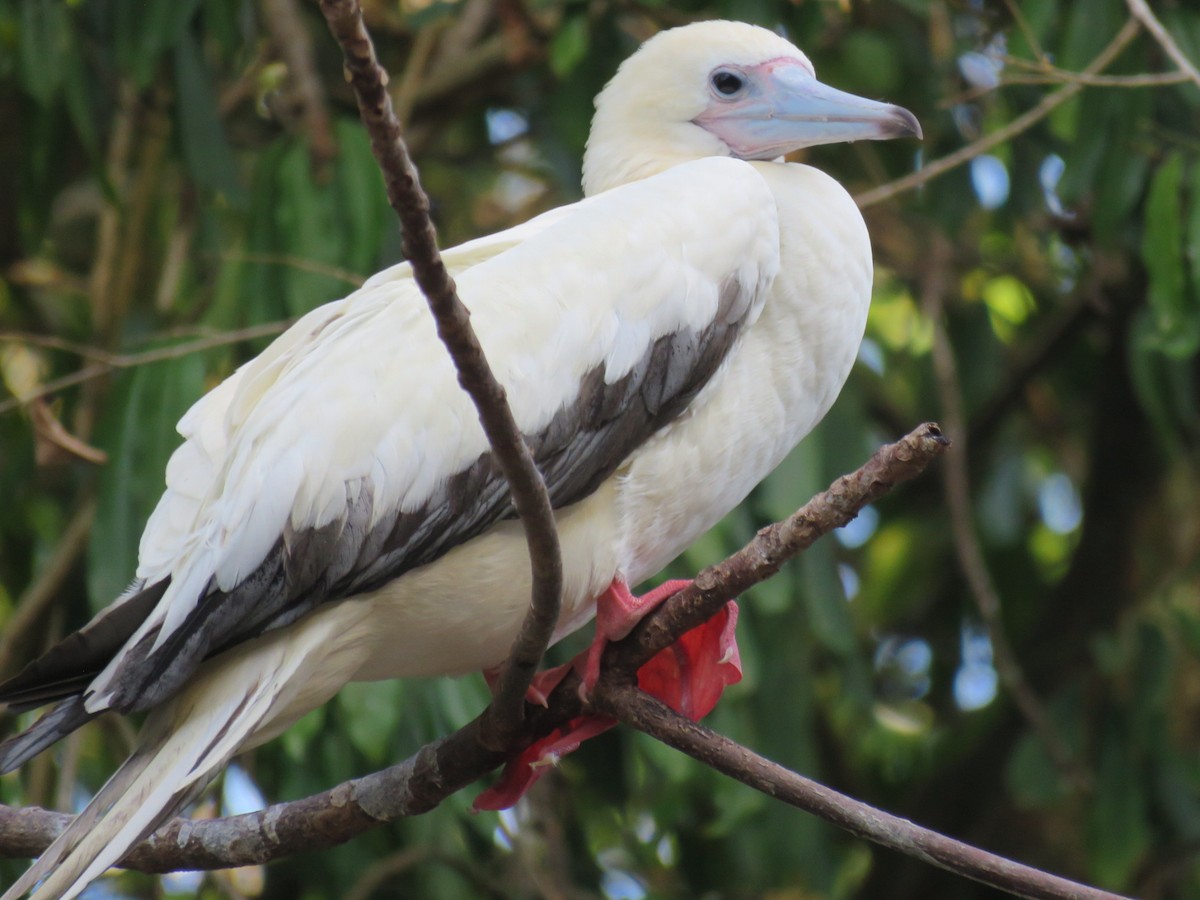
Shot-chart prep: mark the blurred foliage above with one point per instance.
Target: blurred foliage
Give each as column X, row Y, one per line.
column 164, row 178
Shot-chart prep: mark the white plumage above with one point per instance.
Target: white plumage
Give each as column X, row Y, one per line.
column 735, row 289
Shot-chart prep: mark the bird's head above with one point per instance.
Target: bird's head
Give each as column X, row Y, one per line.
column 722, row 89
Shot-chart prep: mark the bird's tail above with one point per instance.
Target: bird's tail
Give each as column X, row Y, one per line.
column 235, row 702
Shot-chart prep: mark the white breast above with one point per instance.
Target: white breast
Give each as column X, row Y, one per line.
column 462, row 612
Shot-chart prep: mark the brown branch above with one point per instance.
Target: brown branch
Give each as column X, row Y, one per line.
column 1035, row 73
column 1052, row 75
column 1027, row 31
column 105, row 362
column 1017, row 126
column 300, row 264
column 651, row 717
column 503, row 717
column 956, row 483
column 440, row 769
column 774, row 545
column 1141, row 10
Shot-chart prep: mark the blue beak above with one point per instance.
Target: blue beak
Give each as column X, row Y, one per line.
column 785, row 108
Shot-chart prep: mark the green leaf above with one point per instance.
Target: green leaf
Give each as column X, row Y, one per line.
column 1160, row 382
column 1089, row 28
column 205, row 149
column 1032, row 778
column 361, row 197
column 828, row 614
column 569, row 46
column 1192, row 240
column 373, row 713
column 45, row 47
column 1176, row 317
column 139, row 436
column 872, row 61
column 142, row 32
column 1117, row 831
column 306, row 227
column 80, row 105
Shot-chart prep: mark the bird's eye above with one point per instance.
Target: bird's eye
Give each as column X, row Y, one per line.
column 727, row 83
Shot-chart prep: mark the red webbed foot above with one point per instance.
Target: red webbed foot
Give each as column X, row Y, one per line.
column 618, row 610
column 689, row 676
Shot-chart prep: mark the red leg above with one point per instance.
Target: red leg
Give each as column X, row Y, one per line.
column 689, row 676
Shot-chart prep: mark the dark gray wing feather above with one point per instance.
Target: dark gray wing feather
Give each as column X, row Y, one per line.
column 583, row 444
column 66, row 668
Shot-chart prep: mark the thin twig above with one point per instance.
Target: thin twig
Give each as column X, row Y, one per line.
column 1053, row 74
column 53, row 443
column 1047, row 74
column 774, row 545
column 648, row 715
column 957, row 487
column 449, row 764
column 299, row 263
column 530, row 498
column 1062, row 76
column 1018, row 125
column 1141, row 10
column 105, row 362
column 1035, row 45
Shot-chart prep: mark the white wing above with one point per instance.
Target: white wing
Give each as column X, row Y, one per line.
column 355, row 410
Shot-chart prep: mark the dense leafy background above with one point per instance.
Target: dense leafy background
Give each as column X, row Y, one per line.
column 162, row 180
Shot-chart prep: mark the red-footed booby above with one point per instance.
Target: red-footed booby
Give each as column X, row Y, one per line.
column 334, row 513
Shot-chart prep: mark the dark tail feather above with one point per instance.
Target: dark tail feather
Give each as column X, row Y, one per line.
column 67, row 667
column 51, row 727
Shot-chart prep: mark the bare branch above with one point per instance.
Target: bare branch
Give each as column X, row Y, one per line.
column 1141, row 10
column 774, row 545
column 408, row 199
column 299, row 263
column 1018, row 125
column 443, row 767
column 1027, row 31
column 105, row 362
column 1053, row 75
column 648, row 715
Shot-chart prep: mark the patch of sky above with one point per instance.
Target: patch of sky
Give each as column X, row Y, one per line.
column 870, row 354
column 904, row 665
column 1059, row 504
column 976, row 681
column 618, row 885
column 989, row 177
column 980, row 70
column 239, row 793
column 850, row 580
column 858, row 532
column 509, row 825
column 504, row 125
column 1050, row 173
column 184, row 884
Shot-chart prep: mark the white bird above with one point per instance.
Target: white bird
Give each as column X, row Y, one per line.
column 334, row 513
